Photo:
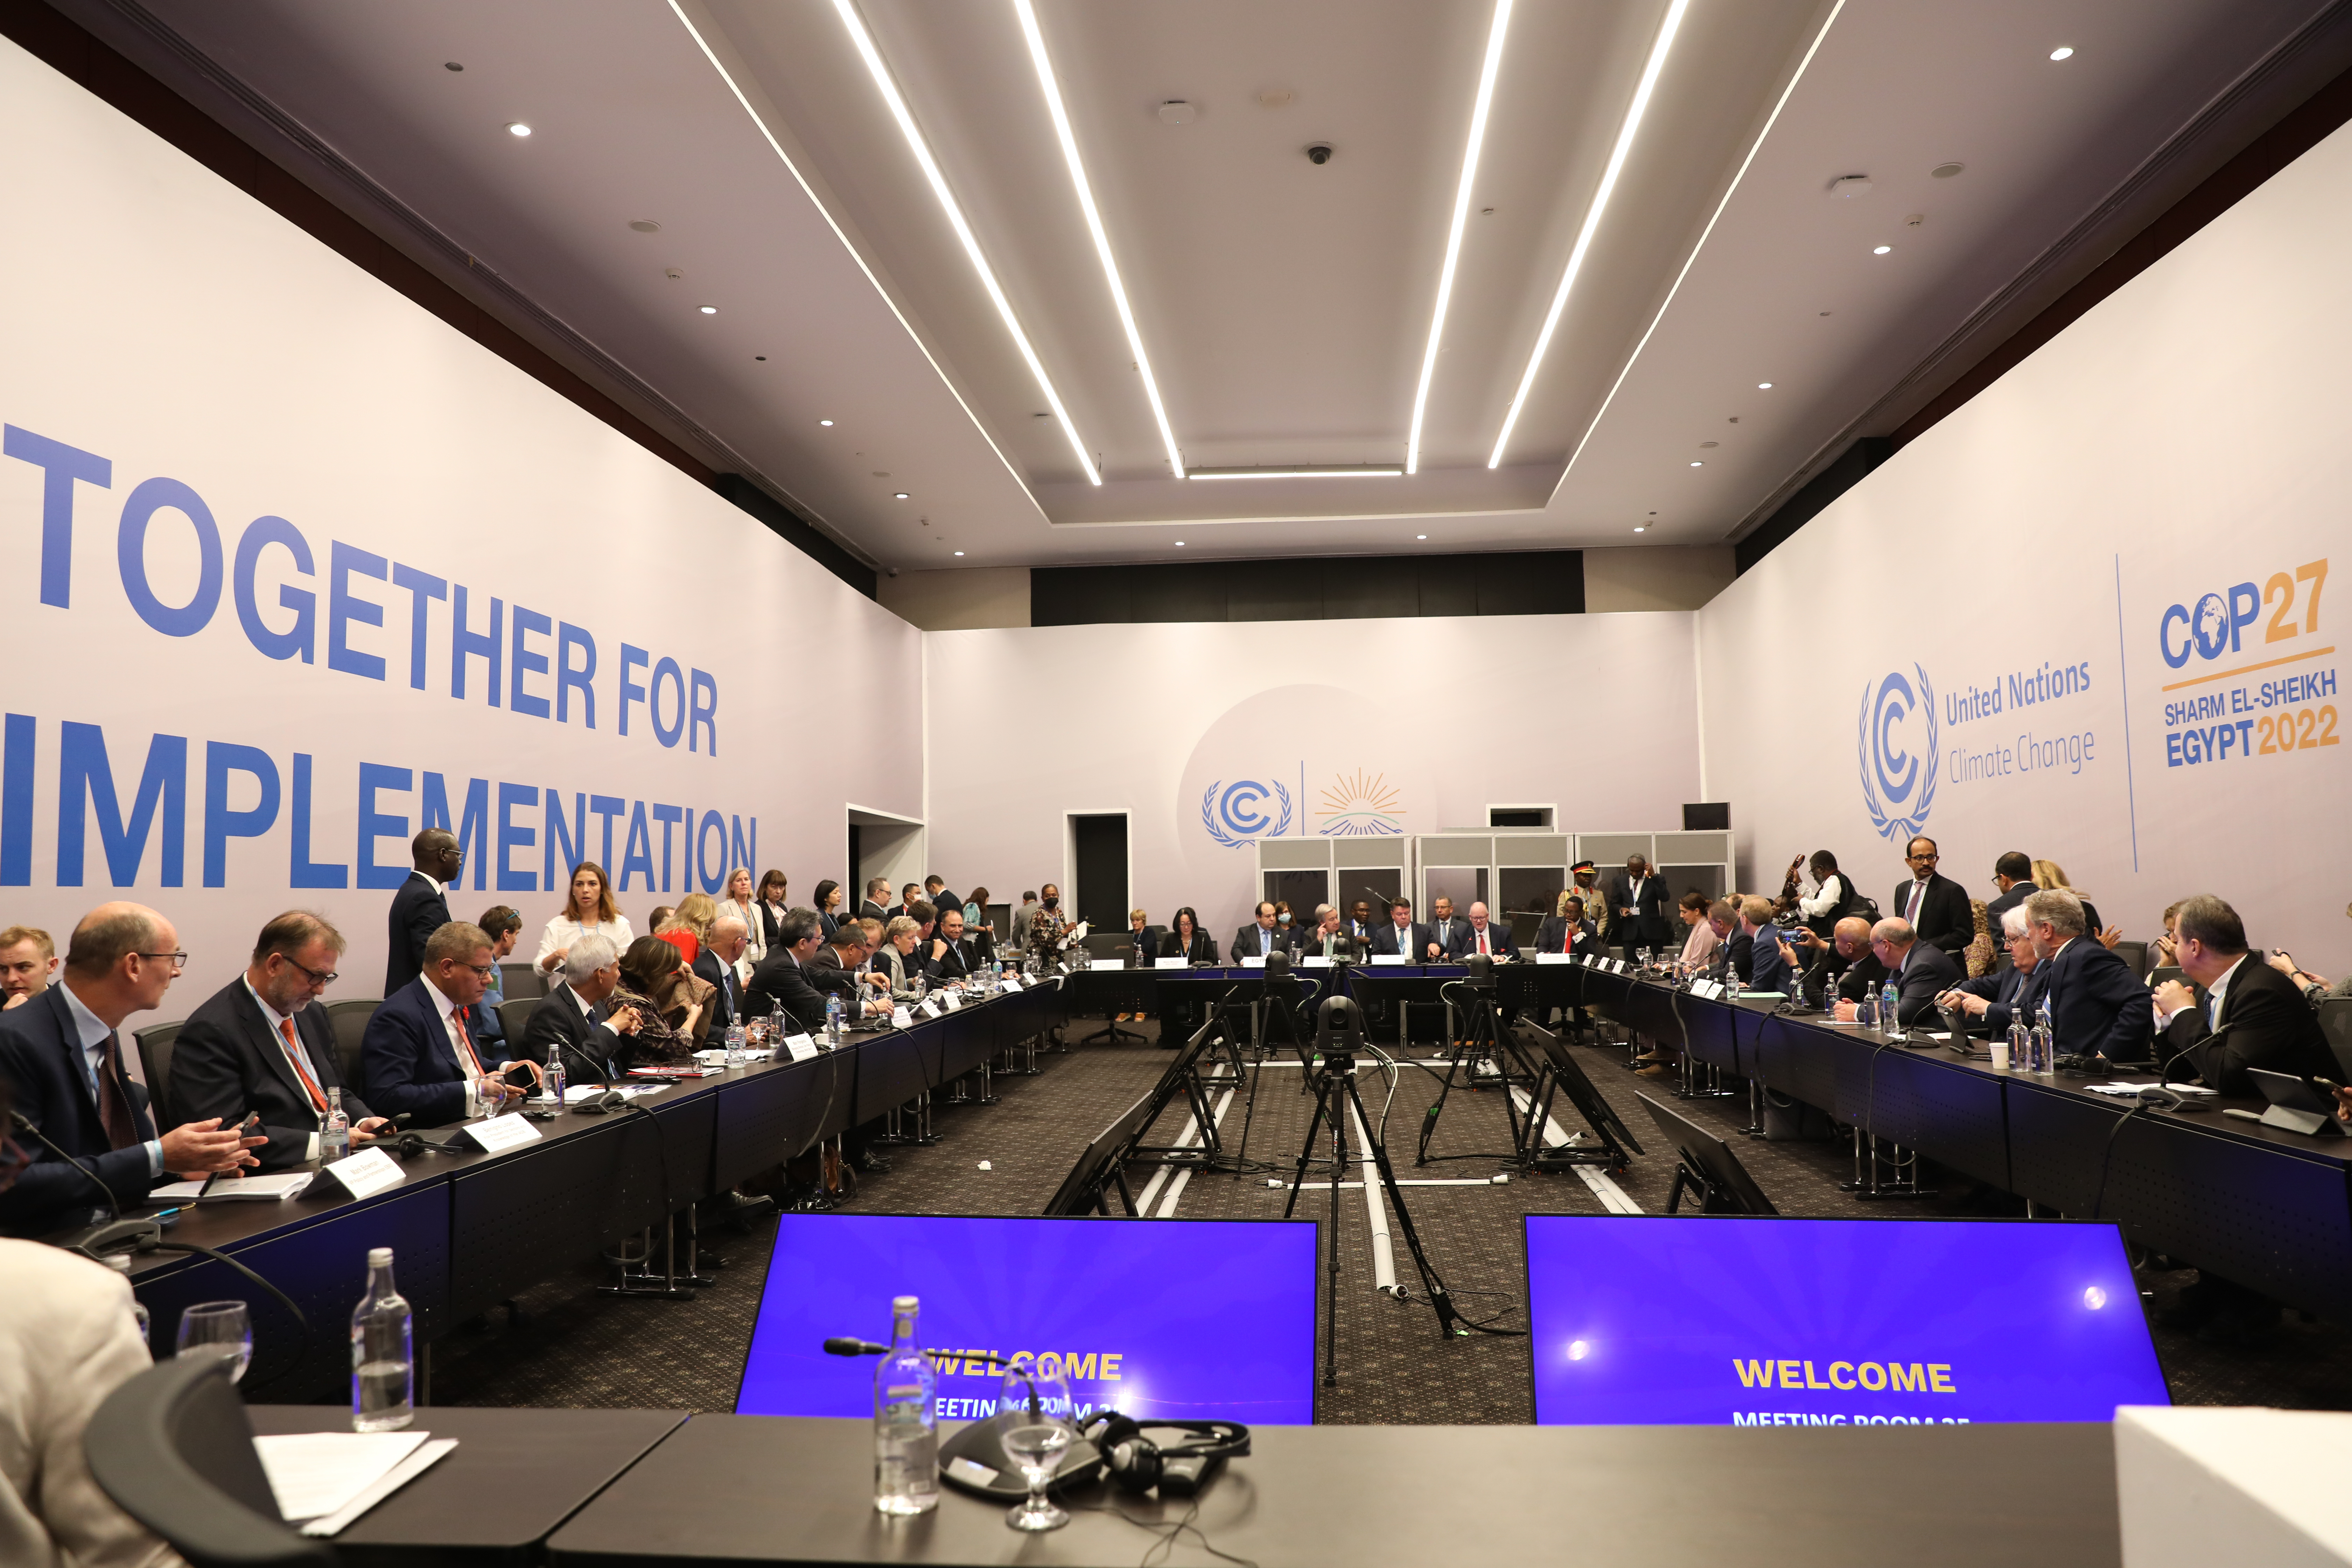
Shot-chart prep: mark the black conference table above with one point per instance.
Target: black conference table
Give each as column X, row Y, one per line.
column 469, row 1230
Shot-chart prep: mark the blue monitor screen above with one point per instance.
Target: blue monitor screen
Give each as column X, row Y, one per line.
column 1172, row 1320
column 1770, row 1323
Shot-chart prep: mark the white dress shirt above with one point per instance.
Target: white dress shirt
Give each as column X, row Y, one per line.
column 564, row 930
column 273, row 1017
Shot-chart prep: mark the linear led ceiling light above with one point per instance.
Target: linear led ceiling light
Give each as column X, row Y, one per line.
column 1617, row 154
column 1453, row 236
column 922, row 149
column 1391, row 472
column 1052, row 89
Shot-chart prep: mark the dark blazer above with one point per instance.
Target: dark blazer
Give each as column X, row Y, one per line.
column 1253, row 941
column 1384, row 940
column 1827, row 969
column 1203, row 951
column 2000, row 904
column 827, row 922
column 953, row 964
column 772, row 924
column 1649, row 926
column 726, row 992
column 1927, row 974
column 227, row 1060
column 408, row 1064
column 1767, row 970
column 2008, row 992
column 781, row 980
column 1498, row 940
column 592, row 1051
column 1944, row 919
column 867, row 910
column 39, row 1055
column 2270, row 1026
column 2098, row 1006
column 1735, row 956
column 418, row 911
column 1447, row 932
column 1552, row 936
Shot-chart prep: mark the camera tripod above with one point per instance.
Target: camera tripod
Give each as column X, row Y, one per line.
column 1478, row 1041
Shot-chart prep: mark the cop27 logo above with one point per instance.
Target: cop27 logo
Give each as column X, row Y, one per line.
column 1235, row 814
column 2218, row 623
column 1898, row 787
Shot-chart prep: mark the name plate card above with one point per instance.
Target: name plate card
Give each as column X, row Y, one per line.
column 900, row 1019
column 1316, row 963
column 1256, row 963
column 929, row 1007
column 365, row 1173
column 1171, row 964
column 800, row 1047
column 953, row 1000
column 1555, row 958
column 498, row 1132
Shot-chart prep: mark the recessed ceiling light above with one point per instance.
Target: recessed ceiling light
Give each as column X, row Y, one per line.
column 710, row 310
column 1273, row 97
column 883, row 83
column 1617, row 156
column 1946, row 171
column 1641, row 527
column 2061, row 52
column 451, row 66
column 518, row 128
column 959, row 553
column 827, row 423
column 1478, row 112
column 645, row 226
column 1173, row 112
column 899, row 495
column 1763, row 386
column 1180, row 544
column 1710, row 443
column 1880, row 249
column 1696, row 464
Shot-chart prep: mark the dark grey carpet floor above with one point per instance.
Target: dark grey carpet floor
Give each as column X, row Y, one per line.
column 573, row 1347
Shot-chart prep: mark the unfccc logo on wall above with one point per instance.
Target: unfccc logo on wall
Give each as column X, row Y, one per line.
column 1898, row 785
column 1235, row 814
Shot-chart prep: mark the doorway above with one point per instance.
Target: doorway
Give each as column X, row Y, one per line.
column 1098, row 869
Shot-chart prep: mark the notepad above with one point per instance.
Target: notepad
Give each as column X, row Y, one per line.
column 580, row 1091
column 270, row 1189
column 324, row 1481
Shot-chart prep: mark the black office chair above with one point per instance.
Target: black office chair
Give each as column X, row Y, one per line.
column 2335, row 1023
column 2132, row 952
column 349, row 1019
column 517, row 981
column 155, row 1043
column 174, row 1450
column 514, row 1012
column 2159, row 975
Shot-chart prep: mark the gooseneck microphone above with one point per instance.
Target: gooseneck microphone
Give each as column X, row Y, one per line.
column 24, row 1123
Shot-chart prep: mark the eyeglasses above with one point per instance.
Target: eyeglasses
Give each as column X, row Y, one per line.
column 316, row 978
column 484, row 970
column 179, row 959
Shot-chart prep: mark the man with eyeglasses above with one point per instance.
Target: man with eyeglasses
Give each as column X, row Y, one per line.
column 2014, row 990
column 1935, row 907
column 63, row 1054
column 421, row 907
column 417, row 1056
column 257, row 1045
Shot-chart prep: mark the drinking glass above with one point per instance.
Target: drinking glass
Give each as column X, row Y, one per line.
column 218, row 1328
column 1035, row 1424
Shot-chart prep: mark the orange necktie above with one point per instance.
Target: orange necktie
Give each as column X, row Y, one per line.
column 302, row 1068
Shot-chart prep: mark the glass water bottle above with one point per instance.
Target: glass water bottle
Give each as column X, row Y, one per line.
column 906, row 1421
column 382, row 1369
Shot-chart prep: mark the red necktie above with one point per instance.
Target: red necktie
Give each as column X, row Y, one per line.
column 302, row 1068
column 1481, row 941
column 472, row 1063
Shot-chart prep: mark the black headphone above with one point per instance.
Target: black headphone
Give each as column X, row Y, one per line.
column 1137, row 1464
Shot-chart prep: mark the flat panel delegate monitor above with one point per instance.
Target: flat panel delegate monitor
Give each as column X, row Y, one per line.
column 1172, row 1320
column 1773, row 1322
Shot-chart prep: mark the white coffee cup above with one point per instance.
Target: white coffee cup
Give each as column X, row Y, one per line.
column 2000, row 1056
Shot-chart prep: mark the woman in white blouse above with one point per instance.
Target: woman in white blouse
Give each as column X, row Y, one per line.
column 590, row 910
column 739, row 903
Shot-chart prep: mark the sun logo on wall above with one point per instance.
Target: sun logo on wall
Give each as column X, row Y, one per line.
column 1357, row 805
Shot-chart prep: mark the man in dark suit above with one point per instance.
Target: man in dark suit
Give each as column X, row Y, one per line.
column 1480, row 934
column 937, row 894
column 2269, row 1024
column 2009, row 993
column 61, row 1053
column 1771, row 961
column 722, row 944
column 1571, row 932
column 2012, row 878
column 787, row 978
column 1921, row 971
column 578, row 1017
column 417, row 1056
column 2098, row 1006
column 948, row 957
column 1404, row 936
column 257, row 1044
column 1844, row 964
column 1637, row 908
column 1260, row 938
column 1931, row 903
column 876, row 904
column 420, row 908
column 1446, row 928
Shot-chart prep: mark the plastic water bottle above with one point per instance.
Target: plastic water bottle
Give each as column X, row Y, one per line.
column 1890, row 1009
column 832, row 1020
column 906, row 1421
column 551, row 1077
column 735, row 1047
column 335, row 1137
column 382, row 1370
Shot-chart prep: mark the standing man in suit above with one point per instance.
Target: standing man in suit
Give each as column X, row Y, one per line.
column 1262, row 937
column 421, row 907
column 2012, row 880
column 936, row 894
column 418, row 1055
column 62, row 1054
column 257, row 1044
column 1637, row 908
column 875, row 905
column 1481, row 935
column 2270, row 1026
column 578, row 1017
column 1404, row 936
column 1446, row 928
column 722, row 944
column 1931, row 903
column 2098, row 1007
column 1921, row 971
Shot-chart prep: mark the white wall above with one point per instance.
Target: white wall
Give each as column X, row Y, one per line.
column 160, row 319
column 1438, row 718
column 2184, row 438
